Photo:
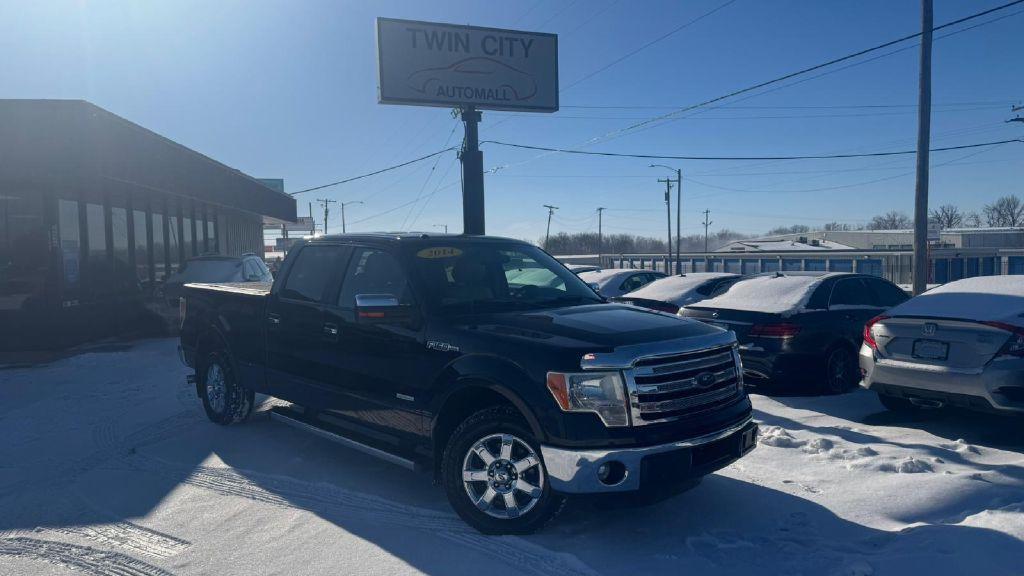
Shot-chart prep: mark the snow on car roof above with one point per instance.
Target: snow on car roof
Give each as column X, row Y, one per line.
column 603, row 277
column 983, row 298
column 774, row 294
column 675, row 288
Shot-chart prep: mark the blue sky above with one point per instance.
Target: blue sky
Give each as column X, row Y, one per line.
column 288, row 89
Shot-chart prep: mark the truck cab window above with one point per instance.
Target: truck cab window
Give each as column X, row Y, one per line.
column 372, row 271
column 310, row 274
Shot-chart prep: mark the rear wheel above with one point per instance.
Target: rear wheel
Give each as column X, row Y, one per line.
column 225, row 400
column 494, row 476
column 840, row 371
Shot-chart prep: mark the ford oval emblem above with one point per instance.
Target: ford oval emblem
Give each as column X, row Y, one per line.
column 929, row 328
column 705, row 380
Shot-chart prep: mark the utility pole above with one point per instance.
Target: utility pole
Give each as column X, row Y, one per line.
column 600, row 236
column 924, row 117
column 707, row 223
column 326, row 202
column 311, row 221
column 679, row 216
column 551, row 212
column 343, row 204
column 668, row 214
column 440, row 225
column 472, row 174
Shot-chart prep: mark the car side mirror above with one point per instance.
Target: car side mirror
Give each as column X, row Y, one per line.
column 381, row 309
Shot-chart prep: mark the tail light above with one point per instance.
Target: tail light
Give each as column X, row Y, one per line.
column 1015, row 344
column 781, row 330
column 869, row 338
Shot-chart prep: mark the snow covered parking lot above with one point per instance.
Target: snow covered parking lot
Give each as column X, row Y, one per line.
column 108, row 466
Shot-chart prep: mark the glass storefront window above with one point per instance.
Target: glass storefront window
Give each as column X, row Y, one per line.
column 159, row 248
column 97, row 271
column 22, row 244
column 186, row 237
column 70, row 246
column 173, row 242
column 119, row 230
column 211, row 235
column 141, row 247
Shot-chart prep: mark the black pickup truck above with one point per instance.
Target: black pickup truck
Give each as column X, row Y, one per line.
column 481, row 360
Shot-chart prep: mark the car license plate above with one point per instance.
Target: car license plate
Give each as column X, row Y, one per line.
column 930, row 350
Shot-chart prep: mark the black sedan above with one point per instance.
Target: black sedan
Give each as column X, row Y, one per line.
column 799, row 328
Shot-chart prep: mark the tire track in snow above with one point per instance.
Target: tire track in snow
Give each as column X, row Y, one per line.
column 128, row 536
column 84, row 558
column 320, row 498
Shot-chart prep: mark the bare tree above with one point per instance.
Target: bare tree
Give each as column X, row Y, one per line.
column 972, row 220
column 891, row 220
column 794, row 229
column 837, row 227
column 946, row 216
column 1006, row 211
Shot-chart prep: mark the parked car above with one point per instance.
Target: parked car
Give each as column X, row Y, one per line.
column 216, row 269
column 618, row 281
column 800, row 329
column 960, row 344
column 441, row 354
column 671, row 293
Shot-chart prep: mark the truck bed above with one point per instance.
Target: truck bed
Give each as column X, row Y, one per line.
column 259, row 289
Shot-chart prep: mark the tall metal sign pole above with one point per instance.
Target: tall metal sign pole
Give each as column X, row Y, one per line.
column 471, row 69
column 668, row 216
column 924, row 115
column 472, row 174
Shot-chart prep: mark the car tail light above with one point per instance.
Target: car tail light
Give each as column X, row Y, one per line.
column 1015, row 345
column 869, row 338
column 781, row 330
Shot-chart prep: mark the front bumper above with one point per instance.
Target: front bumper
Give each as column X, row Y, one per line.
column 576, row 471
column 999, row 386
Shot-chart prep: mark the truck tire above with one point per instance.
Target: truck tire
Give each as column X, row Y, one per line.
column 494, row 476
column 225, row 400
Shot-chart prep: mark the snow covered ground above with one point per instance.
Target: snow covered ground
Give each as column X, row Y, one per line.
column 107, row 466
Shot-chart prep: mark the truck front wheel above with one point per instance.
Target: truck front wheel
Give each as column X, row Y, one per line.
column 225, row 400
column 494, row 476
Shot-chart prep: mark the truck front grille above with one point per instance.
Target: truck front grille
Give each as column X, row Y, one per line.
column 669, row 387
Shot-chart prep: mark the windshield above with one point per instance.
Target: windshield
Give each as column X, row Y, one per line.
column 489, row 277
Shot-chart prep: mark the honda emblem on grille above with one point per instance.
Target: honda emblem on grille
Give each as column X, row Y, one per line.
column 705, row 380
column 929, row 328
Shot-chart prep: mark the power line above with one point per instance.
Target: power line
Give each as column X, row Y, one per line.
column 764, row 117
column 375, row 172
column 819, row 66
column 737, row 158
column 987, row 104
column 636, row 51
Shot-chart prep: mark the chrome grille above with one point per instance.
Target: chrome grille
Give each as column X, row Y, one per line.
column 669, row 387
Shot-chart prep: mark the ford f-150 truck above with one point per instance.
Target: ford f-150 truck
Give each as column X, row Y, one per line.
column 483, row 361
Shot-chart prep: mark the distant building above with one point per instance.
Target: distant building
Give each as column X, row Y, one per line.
column 96, row 211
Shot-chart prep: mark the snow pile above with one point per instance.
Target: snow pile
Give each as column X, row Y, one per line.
column 677, row 290
column 785, row 295
column 983, row 298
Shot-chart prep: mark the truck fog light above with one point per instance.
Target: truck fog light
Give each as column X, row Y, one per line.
column 611, row 473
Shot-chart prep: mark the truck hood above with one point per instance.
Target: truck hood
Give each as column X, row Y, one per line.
column 598, row 326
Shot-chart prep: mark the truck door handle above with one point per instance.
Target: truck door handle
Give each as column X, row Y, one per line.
column 331, row 330
column 274, row 318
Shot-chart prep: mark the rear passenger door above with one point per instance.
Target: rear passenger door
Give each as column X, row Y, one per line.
column 850, row 306
column 298, row 345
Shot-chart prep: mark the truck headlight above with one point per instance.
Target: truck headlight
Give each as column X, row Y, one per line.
column 602, row 393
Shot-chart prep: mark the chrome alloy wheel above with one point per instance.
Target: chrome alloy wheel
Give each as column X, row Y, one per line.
column 503, row 476
column 215, row 387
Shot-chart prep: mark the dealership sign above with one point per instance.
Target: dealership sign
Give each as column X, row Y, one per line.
column 430, row 64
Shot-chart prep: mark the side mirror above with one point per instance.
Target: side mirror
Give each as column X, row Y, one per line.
column 381, row 309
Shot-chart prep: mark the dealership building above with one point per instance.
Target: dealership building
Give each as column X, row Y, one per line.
column 96, row 211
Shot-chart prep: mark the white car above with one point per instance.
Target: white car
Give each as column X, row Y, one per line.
column 961, row 344
column 671, row 293
column 618, row 281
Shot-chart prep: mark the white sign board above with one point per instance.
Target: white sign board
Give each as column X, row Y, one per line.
column 431, row 64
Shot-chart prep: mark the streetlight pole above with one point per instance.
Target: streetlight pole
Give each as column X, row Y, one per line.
column 343, row 204
column 924, row 120
column 679, row 209
column 668, row 218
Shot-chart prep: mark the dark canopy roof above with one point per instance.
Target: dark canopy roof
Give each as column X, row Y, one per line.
column 72, row 143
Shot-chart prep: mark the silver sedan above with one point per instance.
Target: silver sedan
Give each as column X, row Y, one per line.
column 961, row 344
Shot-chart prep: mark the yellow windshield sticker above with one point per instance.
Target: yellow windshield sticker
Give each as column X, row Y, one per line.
column 439, row 252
